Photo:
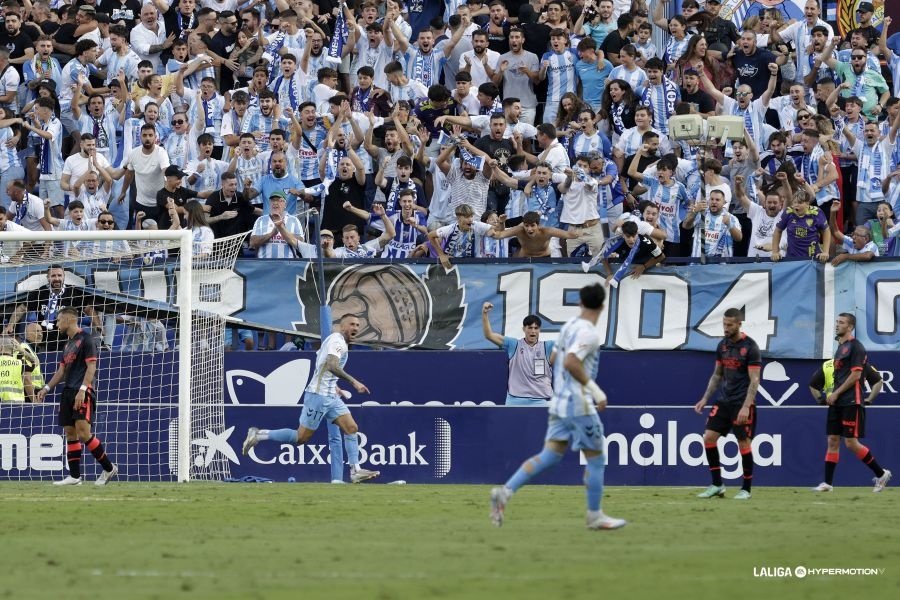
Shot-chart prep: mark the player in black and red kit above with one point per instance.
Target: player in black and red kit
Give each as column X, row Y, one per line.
column 78, row 402
column 738, row 363
column 846, row 408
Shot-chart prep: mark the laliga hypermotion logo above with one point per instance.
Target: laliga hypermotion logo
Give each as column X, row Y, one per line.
column 282, row 387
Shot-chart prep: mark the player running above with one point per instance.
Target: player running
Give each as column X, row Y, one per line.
column 322, row 400
column 846, row 409
column 738, row 362
column 78, row 403
column 573, row 420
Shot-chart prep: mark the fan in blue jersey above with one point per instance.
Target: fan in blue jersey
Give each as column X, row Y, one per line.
column 425, row 61
column 660, row 93
column 715, row 230
column 558, row 68
column 635, row 249
column 308, row 139
column 322, row 400
column 276, row 234
column 573, row 422
column 669, row 195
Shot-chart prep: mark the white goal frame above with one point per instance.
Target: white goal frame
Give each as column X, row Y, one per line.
column 185, row 306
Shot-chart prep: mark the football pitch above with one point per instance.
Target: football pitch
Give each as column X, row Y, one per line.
column 301, row 541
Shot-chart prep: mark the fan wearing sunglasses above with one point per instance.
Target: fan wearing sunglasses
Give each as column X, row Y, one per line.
column 861, row 81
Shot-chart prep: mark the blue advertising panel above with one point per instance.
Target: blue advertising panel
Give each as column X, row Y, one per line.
column 479, row 378
column 645, row 446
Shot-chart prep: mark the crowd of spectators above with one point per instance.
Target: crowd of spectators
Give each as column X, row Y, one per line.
column 462, row 128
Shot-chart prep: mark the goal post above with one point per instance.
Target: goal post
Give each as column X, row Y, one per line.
column 148, row 299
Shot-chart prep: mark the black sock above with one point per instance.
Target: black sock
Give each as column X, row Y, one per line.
column 712, row 456
column 99, row 453
column 831, row 461
column 73, row 457
column 747, row 464
column 870, row 462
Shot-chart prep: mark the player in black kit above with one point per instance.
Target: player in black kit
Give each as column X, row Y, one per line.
column 78, row 402
column 846, row 408
column 738, row 363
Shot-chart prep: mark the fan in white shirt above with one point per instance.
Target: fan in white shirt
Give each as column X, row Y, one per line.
column 481, row 62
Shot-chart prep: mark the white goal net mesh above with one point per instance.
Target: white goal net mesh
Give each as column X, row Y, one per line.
column 126, row 293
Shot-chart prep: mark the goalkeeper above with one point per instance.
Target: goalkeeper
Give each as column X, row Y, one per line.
column 573, row 422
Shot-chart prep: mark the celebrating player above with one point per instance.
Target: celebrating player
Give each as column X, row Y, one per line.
column 78, row 404
column 573, row 420
column 846, row 409
column 322, row 400
column 737, row 362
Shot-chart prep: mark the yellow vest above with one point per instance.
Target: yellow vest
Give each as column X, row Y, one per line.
column 12, row 387
column 828, row 371
column 37, row 378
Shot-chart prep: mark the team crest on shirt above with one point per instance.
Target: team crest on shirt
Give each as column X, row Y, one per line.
column 809, row 222
column 743, row 352
column 396, row 306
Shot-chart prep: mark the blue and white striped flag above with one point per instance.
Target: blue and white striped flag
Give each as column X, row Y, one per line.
column 336, row 47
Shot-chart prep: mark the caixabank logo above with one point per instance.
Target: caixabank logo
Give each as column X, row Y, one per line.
column 416, row 454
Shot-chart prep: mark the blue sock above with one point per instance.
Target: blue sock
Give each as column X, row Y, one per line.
column 283, row 435
column 533, row 466
column 336, row 448
column 593, row 481
column 352, row 443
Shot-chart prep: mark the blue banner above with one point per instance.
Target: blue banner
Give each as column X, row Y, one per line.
column 672, row 379
column 645, row 446
column 789, row 307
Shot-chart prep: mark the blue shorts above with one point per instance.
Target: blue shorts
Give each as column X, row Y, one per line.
column 522, row 401
column 582, row 433
column 316, row 407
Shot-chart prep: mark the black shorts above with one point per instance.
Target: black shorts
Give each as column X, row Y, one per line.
column 722, row 417
column 846, row 421
column 67, row 413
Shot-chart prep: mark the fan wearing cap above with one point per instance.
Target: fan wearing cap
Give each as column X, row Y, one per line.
column 276, row 234
column 865, row 13
column 173, row 194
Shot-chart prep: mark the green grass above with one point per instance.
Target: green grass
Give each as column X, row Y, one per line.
column 295, row 541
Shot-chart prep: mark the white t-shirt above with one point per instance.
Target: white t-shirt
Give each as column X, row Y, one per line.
column 77, row 165
column 27, row 213
column 763, row 226
column 148, row 173
column 476, row 70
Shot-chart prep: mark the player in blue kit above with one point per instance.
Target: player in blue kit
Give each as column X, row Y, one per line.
column 322, row 400
column 573, row 421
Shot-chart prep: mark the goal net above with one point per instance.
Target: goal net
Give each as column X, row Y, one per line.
column 150, row 302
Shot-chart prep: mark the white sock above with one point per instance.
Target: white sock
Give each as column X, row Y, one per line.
column 262, row 435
